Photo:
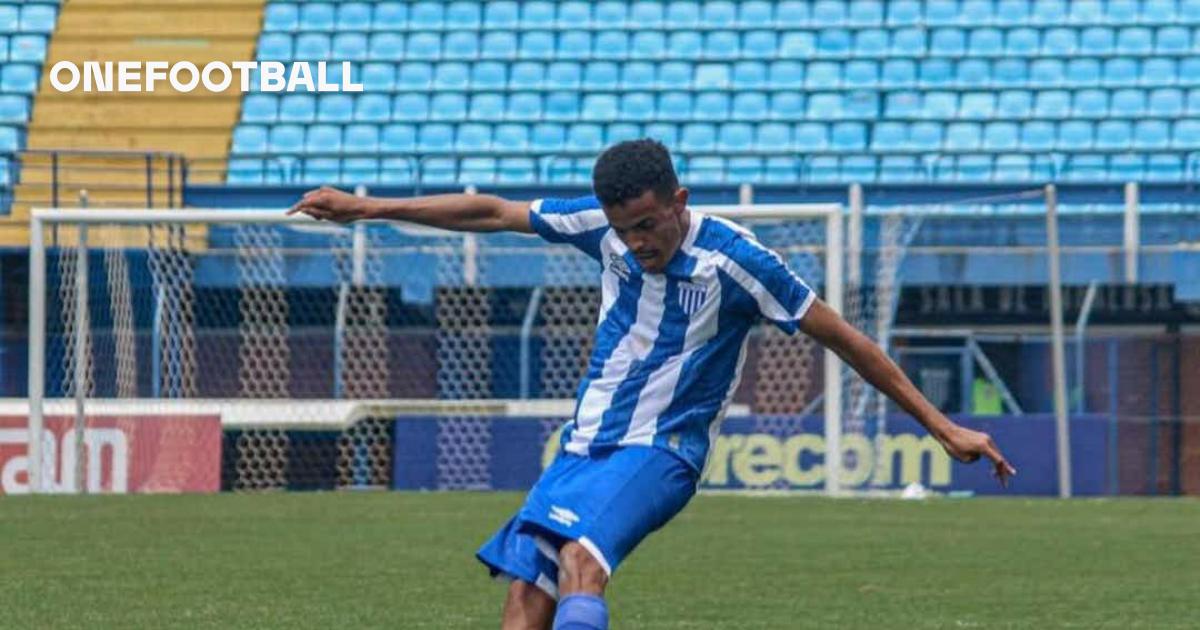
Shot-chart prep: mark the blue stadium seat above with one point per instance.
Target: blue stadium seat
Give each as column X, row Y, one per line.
column 1121, row 11
column 1086, row 12
column 452, row 75
column 711, row 106
column 976, row 12
column 562, row 106
column 718, row 14
column 360, row 170
column 977, row 105
column 821, row 106
column 1189, row 11
column 900, row 168
column 274, row 47
column 675, row 106
column 1006, row 72
column 796, row 44
column 38, row 18
column 870, row 42
column 511, row 137
column 574, row 14
column 823, row 75
column 638, row 75
column 399, row 138
column 1037, row 135
column 905, row 12
column 848, row 136
column 698, row 137
column 865, row 13
column 564, row 75
column 1023, row 42
column 443, row 171
column 524, row 106
column 790, row 14
column 898, row 73
column 462, row 15
column 756, row 14
column 349, row 47
column 1048, row 12
column 415, row 76
column 1192, row 102
column 711, row 76
column 256, row 108
column 986, row 42
column 778, row 137
column 646, row 14
column 744, row 170
column 448, row 106
column 337, row 108
column 860, row 74
column 351, row 16
column 735, row 137
column 599, row 107
column 435, row 137
column 666, row 133
column 10, row 139
column 1128, row 103
column 962, row 136
column 1049, row 73
column 889, row 136
column 861, row 104
column 1084, row 72
column 1075, row 134
column 320, row 170
column 1125, row 167
column 300, row 108
column 390, row 16
column 1085, row 168
column 834, row 41
column 1000, row 136
column 1167, row 102
column 313, row 47
column 249, row 139
column 1059, row 42
column 287, row 139
column 499, row 44
column 585, row 137
column 1121, row 71
column 637, row 106
column 426, row 15
column 316, row 16
column 941, row 12
column 611, row 13
column 386, row 47
column 323, row 139
column 611, row 45
column 684, row 45
column 948, row 42
column 1014, row 103
column 487, row 106
column 972, row 73
column 373, row 108
column 1172, row 40
column 902, row 104
column 941, row 105
column 277, row 16
column 541, row 14
column 459, row 45
column 749, row 106
column 503, row 14
column 925, row 136
column 909, row 41
column 936, row 72
column 1151, row 134
column 721, row 45
column 648, row 45
column 410, row 107
column 243, row 171
column 619, row 132
column 473, row 137
column 753, row 75
column 1090, row 104
column 827, row 13
column 1012, row 168
column 575, row 45
column 704, row 169
column 675, row 75
column 1164, row 167
column 424, row 46
column 516, row 171
column 379, row 77
column 537, row 45
column 1186, row 134
column 31, row 48
column 787, row 106
column 1052, row 104
column 1135, row 40
column 361, row 138
column 1096, row 40
column 1159, row 71
column 683, row 14
column 527, row 75
column 489, row 75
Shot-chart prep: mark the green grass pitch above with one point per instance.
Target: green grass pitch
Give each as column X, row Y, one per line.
column 399, row 560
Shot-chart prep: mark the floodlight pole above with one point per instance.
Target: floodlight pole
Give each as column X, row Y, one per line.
column 1062, row 431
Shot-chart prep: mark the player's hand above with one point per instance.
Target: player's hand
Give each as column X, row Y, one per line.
column 966, row 445
column 330, row 204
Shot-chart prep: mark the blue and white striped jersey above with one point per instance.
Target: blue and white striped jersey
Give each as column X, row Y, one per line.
column 669, row 347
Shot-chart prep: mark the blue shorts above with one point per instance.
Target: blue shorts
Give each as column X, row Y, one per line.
column 607, row 502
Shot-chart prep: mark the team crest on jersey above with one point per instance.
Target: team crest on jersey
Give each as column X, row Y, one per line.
column 617, row 265
column 691, row 296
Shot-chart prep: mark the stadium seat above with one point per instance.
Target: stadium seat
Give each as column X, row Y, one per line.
column 1186, row 134
column 349, row 47
column 470, row 137
column 323, row 139
column 861, row 104
column 1096, row 40
column 1059, row 42
column 249, row 139
column 711, row 106
column 1166, row 102
column 1084, row 72
column 683, row 14
column 415, row 76
column 823, row 75
column 985, row 42
column 375, row 108
column 256, row 108
column 848, row 136
column 38, row 18
column 527, row 75
column 975, row 12
column 599, row 107
column 540, row 14
column 274, row 47
column 904, row 12
column 666, row 133
column 574, row 14
column 286, row 139
column 547, row 136
column 898, row 73
column 1090, row 104
column 1128, row 103
column 313, row 47
column 648, row 45
column 1159, row 71
column 301, row 108
column 611, row 45
column 451, row 75
column 721, row 45
column 900, row 168
column 675, row 75
column 460, row 45
column 889, row 136
column 1006, row 72
column 735, row 137
column 379, row 77
column 385, row 47
column 399, row 138
column 244, row 171
column 962, row 136
column 410, row 107
column 1052, row 104
column 973, row 73
column 562, row 106
column 337, row 108
column 1151, row 134
column 1037, row 135
column 1121, row 11
column 711, row 76
column 938, row 12
column 448, row 106
column 941, row 105
column 538, row 45
column 646, row 14
column 1022, row 42
column 871, row 42
column 684, row 45
column 564, row 75
column 1135, row 40
column 1121, row 71
column 936, row 72
column 926, row 136
column 948, row 42
column 977, row 105
column 524, row 106
column 833, row 41
column 860, row 74
column 1048, row 12
column 511, row 137
column 821, row 105
column 1164, row 167
column 902, row 104
column 585, row 137
column 277, row 16
column 487, row 106
column 909, row 41
column 1075, row 134
column 675, row 106
column 1014, row 103
column 1049, row 73
column 499, row 44
column 619, row 132
column 574, row 45
column 488, row 75
column 637, row 106
column 865, row 13
column 611, row 13
column 516, row 171
column 1000, row 136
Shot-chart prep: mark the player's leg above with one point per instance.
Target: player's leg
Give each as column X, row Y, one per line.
column 581, row 582
column 527, row 607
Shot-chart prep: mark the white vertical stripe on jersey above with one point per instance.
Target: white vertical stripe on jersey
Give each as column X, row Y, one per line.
column 659, row 390
column 766, row 302
column 610, row 282
column 571, row 222
column 635, row 345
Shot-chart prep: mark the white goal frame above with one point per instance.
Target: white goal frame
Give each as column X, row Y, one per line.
column 40, row 218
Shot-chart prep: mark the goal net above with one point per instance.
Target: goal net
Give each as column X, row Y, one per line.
column 329, row 354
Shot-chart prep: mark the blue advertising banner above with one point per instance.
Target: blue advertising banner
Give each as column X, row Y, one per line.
column 759, row 452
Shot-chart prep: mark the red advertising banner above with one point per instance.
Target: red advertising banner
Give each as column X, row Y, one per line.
column 150, row 453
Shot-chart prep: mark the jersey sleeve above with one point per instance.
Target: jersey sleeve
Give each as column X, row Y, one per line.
column 578, row 222
column 778, row 293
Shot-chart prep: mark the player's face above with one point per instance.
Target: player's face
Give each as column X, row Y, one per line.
column 652, row 228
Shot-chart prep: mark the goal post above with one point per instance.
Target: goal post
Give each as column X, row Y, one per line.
column 254, row 305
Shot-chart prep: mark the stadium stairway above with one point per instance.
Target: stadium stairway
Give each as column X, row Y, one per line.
column 197, row 124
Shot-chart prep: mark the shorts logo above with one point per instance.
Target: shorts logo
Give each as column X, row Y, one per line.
column 618, row 266
column 563, row 515
column 691, row 296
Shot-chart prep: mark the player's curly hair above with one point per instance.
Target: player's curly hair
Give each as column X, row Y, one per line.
column 626, row 170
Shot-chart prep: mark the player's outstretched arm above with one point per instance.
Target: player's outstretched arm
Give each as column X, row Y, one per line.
column 464, row 213
column 869, row 360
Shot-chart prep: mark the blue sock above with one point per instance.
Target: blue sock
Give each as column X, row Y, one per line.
column 581, row 611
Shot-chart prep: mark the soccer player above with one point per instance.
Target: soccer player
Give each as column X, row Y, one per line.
column 680, row 293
